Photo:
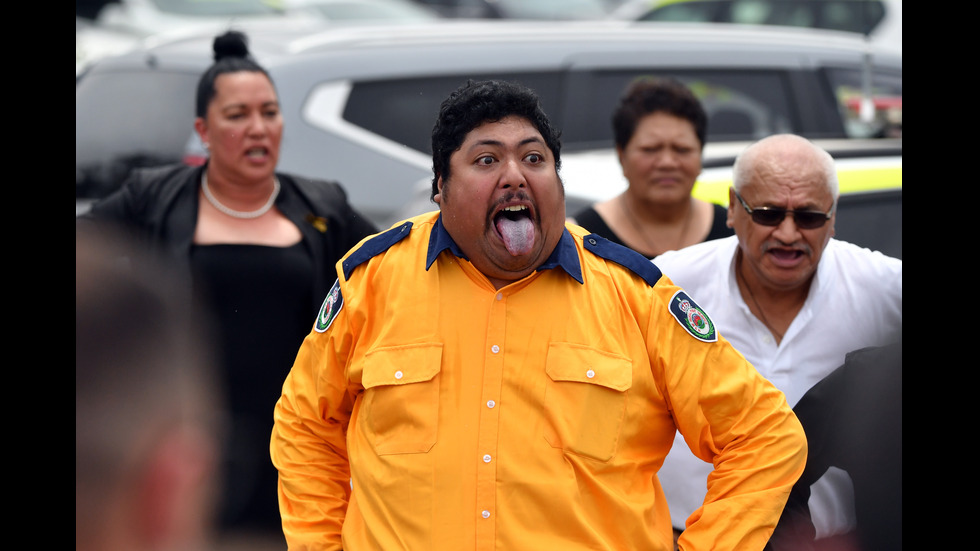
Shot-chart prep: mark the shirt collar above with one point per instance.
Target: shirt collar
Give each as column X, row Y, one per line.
column 565, row 255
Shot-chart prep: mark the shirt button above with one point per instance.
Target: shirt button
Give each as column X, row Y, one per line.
column 500, row 296
column 486, row 458
column 590, row 373
column 495, row 349
column 399, row 374
column 767, row 339
column 486, row 514
column 491, row 403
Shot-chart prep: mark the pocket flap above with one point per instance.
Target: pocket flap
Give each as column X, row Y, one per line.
column 400, row 365
column 583, row 364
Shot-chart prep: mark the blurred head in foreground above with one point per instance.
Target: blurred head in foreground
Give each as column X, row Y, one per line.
column 145, row 405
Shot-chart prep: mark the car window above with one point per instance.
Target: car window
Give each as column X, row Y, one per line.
column 871, row 219
column 697, row 12
column 460, row 8
column 741, row 105
column 404, row 110
column 858, row 17
column 842, row 15
column 552, row 9
column 885, row 97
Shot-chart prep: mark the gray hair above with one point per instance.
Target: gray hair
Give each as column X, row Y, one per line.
column 745, row 162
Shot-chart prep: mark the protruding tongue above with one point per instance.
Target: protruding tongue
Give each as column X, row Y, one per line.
column 518, row 235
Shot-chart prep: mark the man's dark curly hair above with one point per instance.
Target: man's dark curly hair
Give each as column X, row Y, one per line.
column 647, row 95
column 475, row 103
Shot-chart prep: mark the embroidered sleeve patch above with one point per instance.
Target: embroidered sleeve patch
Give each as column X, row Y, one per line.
column 331, row 307
column 692, row 317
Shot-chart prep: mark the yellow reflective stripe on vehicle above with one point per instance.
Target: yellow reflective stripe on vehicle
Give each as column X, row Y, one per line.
column 868, row 179
column 850, row 180
column 714, row 191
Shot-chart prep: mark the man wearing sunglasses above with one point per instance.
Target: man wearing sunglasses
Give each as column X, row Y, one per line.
column 788, row 296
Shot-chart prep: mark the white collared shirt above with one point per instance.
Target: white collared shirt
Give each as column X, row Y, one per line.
column 855, row 301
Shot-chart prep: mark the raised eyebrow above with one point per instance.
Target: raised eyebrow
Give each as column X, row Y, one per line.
column 498, row 143
column 532, row 139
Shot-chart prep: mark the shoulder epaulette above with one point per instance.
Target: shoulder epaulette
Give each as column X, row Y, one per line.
column 375, row 246
column 624, row 256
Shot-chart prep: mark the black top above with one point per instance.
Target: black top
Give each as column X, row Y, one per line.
column 159, row 207
column 853, row 421
column 260, row 297
column 589, row 219
column 264, row 299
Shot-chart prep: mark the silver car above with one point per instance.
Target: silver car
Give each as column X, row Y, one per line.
column 359, row 104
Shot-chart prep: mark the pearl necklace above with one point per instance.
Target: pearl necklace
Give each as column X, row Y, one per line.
column 237, row 213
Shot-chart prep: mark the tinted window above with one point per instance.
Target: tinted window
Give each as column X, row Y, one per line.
column 116, row 128
column 699, row 12
column 871, row 219
column 885, row 94
column 404, row 110
column 843, row 15
column 741, row 105
column 551, row 9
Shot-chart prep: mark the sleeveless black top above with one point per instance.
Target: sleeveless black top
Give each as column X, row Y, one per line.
column 260, row 298
column 589, row 219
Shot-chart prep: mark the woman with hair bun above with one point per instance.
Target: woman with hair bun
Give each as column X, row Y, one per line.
column 259, row 247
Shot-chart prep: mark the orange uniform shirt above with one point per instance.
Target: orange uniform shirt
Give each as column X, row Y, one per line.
column 428, row 411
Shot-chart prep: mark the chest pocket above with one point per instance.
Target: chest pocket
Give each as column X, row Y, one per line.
column 585, row 399
column 401, row 398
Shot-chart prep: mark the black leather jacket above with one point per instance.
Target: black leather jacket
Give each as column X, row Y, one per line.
column 159, row 206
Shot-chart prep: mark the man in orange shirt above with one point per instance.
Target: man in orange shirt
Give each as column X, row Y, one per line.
column 487, row 377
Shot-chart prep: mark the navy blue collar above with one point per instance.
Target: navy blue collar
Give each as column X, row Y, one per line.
column 565, row 255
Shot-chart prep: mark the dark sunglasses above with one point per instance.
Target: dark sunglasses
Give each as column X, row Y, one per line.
column 773, row 216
